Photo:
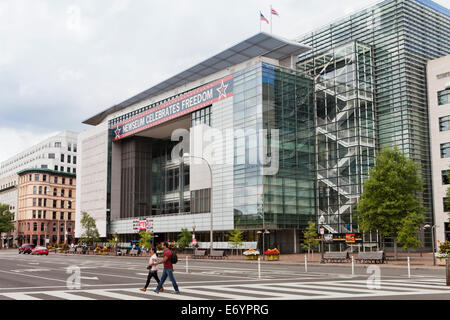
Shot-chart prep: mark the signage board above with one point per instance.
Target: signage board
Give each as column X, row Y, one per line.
column 149, row 226
column 328, row 237
column 350, row 237
column 177, row 107
column 322, row 230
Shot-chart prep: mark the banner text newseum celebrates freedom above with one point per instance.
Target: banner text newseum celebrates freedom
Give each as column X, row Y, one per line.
column 187, row 103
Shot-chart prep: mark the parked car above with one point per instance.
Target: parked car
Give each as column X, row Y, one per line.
column 26, row 248
column 40, row 251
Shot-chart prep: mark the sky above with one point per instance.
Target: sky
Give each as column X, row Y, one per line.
column 62, row 62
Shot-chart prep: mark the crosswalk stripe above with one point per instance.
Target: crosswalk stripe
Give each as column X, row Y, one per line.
column 221, row 295
column 116, row 295
column 265, row 293
column 19, row 296
column 166, row 295
column 417, row 285
column 67, row 296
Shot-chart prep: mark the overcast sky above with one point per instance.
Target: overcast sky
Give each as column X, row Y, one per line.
column 62, row 62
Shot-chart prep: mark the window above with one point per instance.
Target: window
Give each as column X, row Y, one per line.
column 54, row 216
column 54, row 227
column 56, row 168
column 34, row 190
column 34, row 202
column 54, row 203
column 54, row 192
column 445, row 150
column 42, row 226
column 446, row 204
column 40, row 189
column 44, row 166
column 68, row 158
column 70, row 181
column 69, row 227
column 62, row 192
column 74, row 159
column 444, row 123
column 34, row 214
column 34, row 226
column 39, row 202
column 36, row 177
column 39, row 214
column 443, row 97
column 61, row 229
column 44, row 214
column 61, row 216
column 68, row 169
column 44, row 177
column 69, row 215
column 74, row 170
column 74, row 148
column 62, row 157
column 51, row 156
column 69, row 147
column 70, row 193
column 61, row 168
column 57, row 144
column 444, row 174
column 63, row 181
column 62, row 203
column 69, row 204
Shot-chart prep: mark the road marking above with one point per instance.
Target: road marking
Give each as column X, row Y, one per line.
column 115, row 295
column 66, row 295
column 167, row 295
column 19, row 296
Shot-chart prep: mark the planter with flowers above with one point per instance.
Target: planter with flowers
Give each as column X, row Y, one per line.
column 104, row 250
column 272, row 254
column 97, row 250
column 251, row 254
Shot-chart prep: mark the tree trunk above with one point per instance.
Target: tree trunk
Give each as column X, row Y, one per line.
column 395, row 249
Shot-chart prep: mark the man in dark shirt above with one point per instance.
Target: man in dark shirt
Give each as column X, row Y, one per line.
column 168, row 269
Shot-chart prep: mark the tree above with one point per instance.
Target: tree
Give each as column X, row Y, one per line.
column 90, row 234
column 310, row 235
column 390, row 194
column 145, row 240
column 6, row 217
column 235, row 239
column 408, row 235
column 184, row 238
column 112, row 243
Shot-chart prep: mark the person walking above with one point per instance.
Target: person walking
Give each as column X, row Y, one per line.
column 153, row 269
column 168, row 270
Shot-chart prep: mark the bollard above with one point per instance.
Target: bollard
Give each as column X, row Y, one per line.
column 259, row 267
column 447, row 271
column 187, row 267
column 409, row 269
column 306, row 264
column 353, row 266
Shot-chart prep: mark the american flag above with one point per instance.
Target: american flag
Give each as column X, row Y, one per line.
column 263, row 18
column 274, row 12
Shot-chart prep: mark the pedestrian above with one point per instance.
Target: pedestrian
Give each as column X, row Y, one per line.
column 153, row 269
column 168, row 269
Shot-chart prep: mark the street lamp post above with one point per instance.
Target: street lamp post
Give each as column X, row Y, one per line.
column 433, row 228
column 321, row 222
column 211, row 196
column 263, row 232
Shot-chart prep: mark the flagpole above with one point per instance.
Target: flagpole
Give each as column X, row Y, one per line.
column 271, row 18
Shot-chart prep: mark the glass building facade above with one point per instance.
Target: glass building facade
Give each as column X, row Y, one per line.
column 273, row 98
column 401, row 35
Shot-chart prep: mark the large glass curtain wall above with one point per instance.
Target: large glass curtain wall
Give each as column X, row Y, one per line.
column 345, row 130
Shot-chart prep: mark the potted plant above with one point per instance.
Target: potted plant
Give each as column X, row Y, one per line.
column 159, row 250
column 97, row 250
column 272, row 254
column 104, row 250
column 251, row 254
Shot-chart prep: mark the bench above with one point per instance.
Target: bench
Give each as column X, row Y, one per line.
column 216, row 254
column 336, row 257
column 371, row 257
column 72, row 250
column 133, row 252
column 199, row 254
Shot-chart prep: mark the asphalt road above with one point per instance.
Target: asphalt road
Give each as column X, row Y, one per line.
column 53, row 277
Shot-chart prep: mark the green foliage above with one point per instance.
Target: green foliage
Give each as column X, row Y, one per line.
column 390, row 194
column 235, row 238
column 310, row 236
column 184, row 238
column 89, row 227
column 112, row 243
column 444, row 247
column 145, row 240
column 408, row 235
column 6, row 217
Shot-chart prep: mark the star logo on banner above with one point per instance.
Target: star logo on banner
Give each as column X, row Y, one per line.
column 117, row 132
column 222, row 90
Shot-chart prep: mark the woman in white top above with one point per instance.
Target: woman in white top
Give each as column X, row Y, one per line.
column 153, row 269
